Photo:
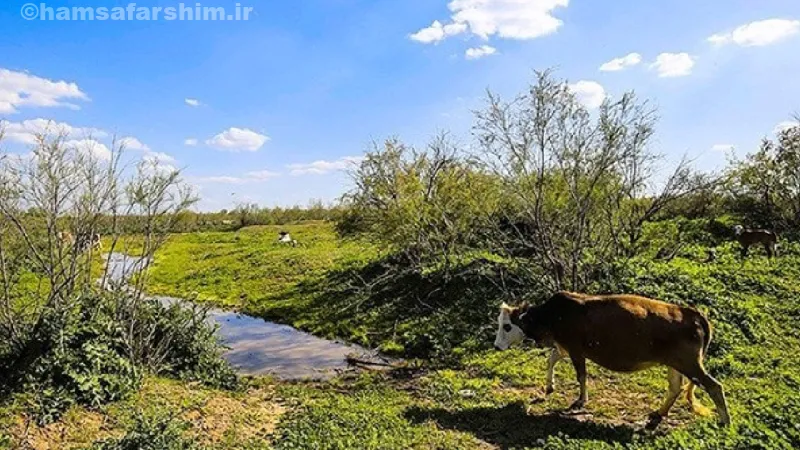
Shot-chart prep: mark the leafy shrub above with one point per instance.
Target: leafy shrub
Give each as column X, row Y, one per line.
column 97, row 354
column 152, row 433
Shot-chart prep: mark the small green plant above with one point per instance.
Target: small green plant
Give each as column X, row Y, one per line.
column 159, row 432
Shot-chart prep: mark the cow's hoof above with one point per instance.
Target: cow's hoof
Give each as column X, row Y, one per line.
column 549, row 390
column 577, row 406
column 654, row 420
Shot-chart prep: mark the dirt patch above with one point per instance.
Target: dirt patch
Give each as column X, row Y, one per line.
column 215, row 417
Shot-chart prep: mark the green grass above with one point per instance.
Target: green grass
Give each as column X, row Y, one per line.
column 249, row 270
column 481, row 398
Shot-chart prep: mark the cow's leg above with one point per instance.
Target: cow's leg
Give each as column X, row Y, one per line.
column 555, row 357
column 745, row 249
column 675, row 388
column 700, row 377
column 696, row 407
column 579, row 362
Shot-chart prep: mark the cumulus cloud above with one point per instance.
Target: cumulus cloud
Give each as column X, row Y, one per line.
column 25, row 132
column 673, row 65
column 238, row 139
column 191, row 142
column 20, row 89
column 322, row 167
column 159, row 162
column 90, row 147
column 510, row 19
column 616, row 64
column 480, row 52
column 131, row 143
column 192, row 102
column 590, row 93
column 759, row 33
column 436, row 32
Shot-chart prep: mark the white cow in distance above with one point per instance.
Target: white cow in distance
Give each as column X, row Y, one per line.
column 286, row 238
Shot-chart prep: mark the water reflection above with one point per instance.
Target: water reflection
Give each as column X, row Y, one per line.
column 258, row 347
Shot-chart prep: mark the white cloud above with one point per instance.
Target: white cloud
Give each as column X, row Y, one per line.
column 510, row 19
column 436, row 32
column 322, row 167
column 673, row 64
column 250, row 177
column 131, row 143
column 192, row 102
column 236, row 139
column 262, row 175
column 785, row 125
column 722, row 147
column 616, row 64
column 25, row 132
column 221, row 180
column 90, row 147
column 762, row 32
column 191, row 142
column 19, row 89
column 480, row 52
column 158, row 157
column 159, row 162
column 590, row 93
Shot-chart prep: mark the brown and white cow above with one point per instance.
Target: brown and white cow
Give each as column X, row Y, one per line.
column 748, row 237
column 623, row 333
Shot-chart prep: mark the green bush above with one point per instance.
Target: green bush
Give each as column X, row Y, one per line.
column 152, row 433
column 91, row 356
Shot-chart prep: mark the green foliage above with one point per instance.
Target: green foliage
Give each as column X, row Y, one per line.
column 152, row 433
column 765, row 186
column 85, row 356
column 428, row 204
column 372, row 418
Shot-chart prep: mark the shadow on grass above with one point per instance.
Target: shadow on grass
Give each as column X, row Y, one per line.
column 424, row 314
column 512, row 427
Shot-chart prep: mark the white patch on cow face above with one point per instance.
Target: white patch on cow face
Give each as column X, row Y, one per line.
column 738, row 229
column 508, row 334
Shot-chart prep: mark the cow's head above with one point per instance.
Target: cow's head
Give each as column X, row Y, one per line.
column 509, row 327
column 738, row 229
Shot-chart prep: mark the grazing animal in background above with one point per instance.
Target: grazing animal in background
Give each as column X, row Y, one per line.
column 89, row 241
column 711, row 255
column 623, row 333
column 748, row 237
column 97, row 244
column 286, row 238
column 66, row 238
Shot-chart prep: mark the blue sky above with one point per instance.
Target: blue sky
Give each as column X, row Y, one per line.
column 288, row 97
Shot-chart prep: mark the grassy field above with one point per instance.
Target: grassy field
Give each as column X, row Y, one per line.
column 483, row 399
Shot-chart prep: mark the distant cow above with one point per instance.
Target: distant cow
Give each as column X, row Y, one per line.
column 286, row 238
column 623, row 333
column 89, row 241
column 748, row 237
column 66, row 238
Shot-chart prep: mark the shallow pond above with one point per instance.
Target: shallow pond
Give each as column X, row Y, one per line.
column 259, row 347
